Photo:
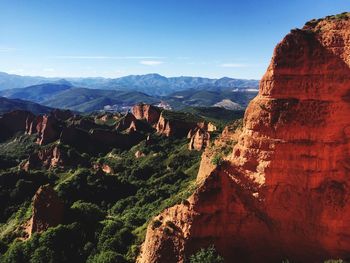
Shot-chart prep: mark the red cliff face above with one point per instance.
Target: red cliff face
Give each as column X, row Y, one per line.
column 200, row 136
column 48, row 129
column 284, row 191
column 49, row 157
column 47, row 210
column 147, row 112
column 199, row 139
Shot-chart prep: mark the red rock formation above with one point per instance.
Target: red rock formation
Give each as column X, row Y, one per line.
column 174, row 127
column 48, row 210
column 48, row 157
column 284, row 192
column 48, row 129
column 199, row 140
column 200, row 136
column 125, row 122
column 147, row 112
column 31, row 124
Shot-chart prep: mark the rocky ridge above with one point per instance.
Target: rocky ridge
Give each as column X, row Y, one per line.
column 283, row 192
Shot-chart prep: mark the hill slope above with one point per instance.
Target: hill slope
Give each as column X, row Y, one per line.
column 7, row 105
column 36, row 93
column 87, row 100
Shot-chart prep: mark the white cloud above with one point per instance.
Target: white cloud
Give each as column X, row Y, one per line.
column 107, row 57
column 233, row 65
column 151, row 62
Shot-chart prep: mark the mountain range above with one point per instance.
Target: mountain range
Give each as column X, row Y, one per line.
column 151, row 84
column 94, row 94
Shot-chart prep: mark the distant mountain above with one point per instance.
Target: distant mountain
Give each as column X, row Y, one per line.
column 228, row 98
column 155, row 84
column 87, row 100
column 7, row 105
column 93, row 94
column 37, row 93
column 151, row 84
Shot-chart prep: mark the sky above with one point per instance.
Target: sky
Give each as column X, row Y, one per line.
column 113, row 38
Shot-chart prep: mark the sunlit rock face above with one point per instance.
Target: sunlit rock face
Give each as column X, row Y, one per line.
column 284, row 191
column 146, row 112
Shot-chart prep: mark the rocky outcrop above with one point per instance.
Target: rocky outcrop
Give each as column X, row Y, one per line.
column 284, row 191
column 199, row 140
column 125, row 122
column 48, row 129
column 146, row 112
column 174, row 127
column 31, row 124
column 48, row 210
column 200, row 136
column 52, row 156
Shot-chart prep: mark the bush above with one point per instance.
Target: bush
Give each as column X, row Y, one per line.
column 107, row 257
column 208, row 255
column 87, row 212
column 217, row 159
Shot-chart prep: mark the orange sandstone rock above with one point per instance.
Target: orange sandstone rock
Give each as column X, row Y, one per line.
column 147, row 112
column 199, row 140
column 284, row 191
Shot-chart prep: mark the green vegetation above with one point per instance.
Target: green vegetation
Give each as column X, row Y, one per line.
column 208, row 255
column 314, row 22
column 217, row 159
column 106, row 214
column 181, row 116
column 14, row 150
column 208, row 97
column 218, row 116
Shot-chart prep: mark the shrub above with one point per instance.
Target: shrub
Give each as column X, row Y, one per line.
column 87, row 212
column 217, row 159
column 208, row 255
column 107, row 257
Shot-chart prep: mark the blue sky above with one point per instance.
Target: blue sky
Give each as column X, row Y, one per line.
column 211, row 38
